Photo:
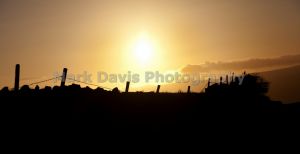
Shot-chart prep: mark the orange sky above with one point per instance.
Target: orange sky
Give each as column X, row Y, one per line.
column 85, row 35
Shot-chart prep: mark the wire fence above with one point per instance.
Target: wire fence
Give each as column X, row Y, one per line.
column 70, row 79
column 90, row 84
column 39, row 82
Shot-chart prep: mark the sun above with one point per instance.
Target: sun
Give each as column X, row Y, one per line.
column 143, row 50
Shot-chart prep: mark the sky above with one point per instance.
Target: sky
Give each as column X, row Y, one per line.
column 107, row 35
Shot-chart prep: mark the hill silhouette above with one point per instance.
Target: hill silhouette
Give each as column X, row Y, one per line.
column 138, row 111
column 284, row 85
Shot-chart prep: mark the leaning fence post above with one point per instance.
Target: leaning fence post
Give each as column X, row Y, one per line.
column 17, row 77
column 189, row 89
column 127, row 86
column 157, row 89
column 63, row 78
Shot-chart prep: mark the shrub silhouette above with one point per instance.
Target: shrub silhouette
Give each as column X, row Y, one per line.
column 255, row 85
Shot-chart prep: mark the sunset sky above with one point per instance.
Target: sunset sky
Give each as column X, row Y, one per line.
column 136, row 35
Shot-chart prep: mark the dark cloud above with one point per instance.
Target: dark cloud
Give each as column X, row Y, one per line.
column 250, row 64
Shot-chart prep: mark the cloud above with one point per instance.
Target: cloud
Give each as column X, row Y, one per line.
column 250, row 64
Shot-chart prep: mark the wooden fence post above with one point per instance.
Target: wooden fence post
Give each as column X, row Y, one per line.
column 17, row 77
column 64, row 77
column 227, row 79
column 221, row 80
column 127, row 86
column 189, row 89
column 157, row 89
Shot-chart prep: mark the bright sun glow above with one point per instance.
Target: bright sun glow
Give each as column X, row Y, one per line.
column 143, row 50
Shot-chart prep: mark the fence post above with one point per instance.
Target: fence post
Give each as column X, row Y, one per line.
column 189, row 89
column 227, row 79
column 17, row 77
column 63, row 78
column 127, row 86
column 157, row 89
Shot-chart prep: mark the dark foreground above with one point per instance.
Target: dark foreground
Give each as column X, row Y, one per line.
column 145, row 112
